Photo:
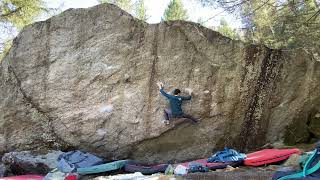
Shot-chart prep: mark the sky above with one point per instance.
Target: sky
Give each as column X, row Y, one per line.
column 155, row 9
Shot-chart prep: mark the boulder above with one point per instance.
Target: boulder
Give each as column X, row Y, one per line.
column 293, row 161
column 2, row 170
column 315, row 125
column 86, row 79
column 27, row 162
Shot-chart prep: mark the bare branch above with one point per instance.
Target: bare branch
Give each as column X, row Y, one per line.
column 214, row 16
column 10, row 13
column 315, row 15
column 259, row 7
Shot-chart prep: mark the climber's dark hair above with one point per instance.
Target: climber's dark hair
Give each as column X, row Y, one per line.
column 176, row 91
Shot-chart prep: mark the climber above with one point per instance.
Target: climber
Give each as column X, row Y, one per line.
column 175, row 100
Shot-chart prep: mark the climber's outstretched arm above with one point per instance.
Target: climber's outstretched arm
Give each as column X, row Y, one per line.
column 160, row 85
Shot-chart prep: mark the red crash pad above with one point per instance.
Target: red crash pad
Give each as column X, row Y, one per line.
column 268, row 156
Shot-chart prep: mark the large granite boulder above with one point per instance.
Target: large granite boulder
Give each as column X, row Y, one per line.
column 85, row 79
column 314, row 126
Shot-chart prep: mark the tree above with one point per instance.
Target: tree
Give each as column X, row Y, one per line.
column 277, row 23
column 260, row 22
column 141, row 11
column 123, row 4
column 226, row 30
column 289, row 26
column 105, row 1
column 20, row 12
column 14, row 15
column 175, row 11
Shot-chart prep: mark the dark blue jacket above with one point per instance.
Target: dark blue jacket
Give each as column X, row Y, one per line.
column 175, row 102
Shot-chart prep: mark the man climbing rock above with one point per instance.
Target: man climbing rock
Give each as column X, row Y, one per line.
column 175, row 101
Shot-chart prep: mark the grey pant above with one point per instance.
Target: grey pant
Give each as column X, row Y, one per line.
column 168, row 115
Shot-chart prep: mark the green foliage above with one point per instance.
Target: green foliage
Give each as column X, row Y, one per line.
column 123, row 4
column 105, row 1
column 138, row 7
column 260, row 23
column 294, row 25
column 14, row 15
column 6, row 46
column 141, row 11
column 20, row 12
column 175, row 11
column 226, row 30
column 277, row 23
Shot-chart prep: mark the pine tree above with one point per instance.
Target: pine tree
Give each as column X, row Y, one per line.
column 175, row 11
column 260, row 21
column 141, row 11
column 14, row 15
column 277, row 24
column 123, row 4
column 105, row 1
column 226, row 30
column 20, row 12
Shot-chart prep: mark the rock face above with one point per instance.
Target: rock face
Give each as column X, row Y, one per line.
column 26, row 162
column 315, row 125
column 85, row 79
